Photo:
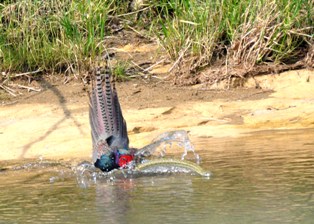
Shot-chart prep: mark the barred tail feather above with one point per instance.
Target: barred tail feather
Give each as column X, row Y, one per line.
column 105, row 114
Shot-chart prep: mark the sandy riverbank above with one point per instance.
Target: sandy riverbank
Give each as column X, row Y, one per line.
column 54, row 122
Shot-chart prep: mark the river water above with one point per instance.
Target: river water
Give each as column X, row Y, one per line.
column 265, row 177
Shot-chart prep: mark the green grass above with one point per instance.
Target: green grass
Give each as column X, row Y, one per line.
column 120, row 70
column 53, row 35
column 68, row 35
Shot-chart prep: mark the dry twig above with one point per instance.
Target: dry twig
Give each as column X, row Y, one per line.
column 27, row 73
column 29, row 88
column 180, row 57
column 8, row 90
column 152, row 66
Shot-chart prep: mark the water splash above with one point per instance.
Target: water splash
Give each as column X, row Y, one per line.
column 166, row 142
column 87, row 174
column 164, row 146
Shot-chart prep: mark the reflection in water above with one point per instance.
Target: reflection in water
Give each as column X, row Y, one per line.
column 267, row 177
column 112, row 201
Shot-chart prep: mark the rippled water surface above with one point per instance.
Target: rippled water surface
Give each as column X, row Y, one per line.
column 266, row 177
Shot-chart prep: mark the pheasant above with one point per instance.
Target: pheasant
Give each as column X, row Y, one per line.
column 108, row 127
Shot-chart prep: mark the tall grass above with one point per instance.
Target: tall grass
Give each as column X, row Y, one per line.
column 246, row 32
column 193, row 28
column 53, row 35
column 69, row 34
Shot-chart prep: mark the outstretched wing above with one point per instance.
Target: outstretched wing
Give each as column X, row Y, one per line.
column 109, row 131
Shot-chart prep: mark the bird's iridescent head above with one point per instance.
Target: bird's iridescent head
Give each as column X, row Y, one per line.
column 106, row 162
column 116, row 159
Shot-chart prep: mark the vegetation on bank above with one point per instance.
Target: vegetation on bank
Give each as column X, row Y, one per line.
column 69, row 34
